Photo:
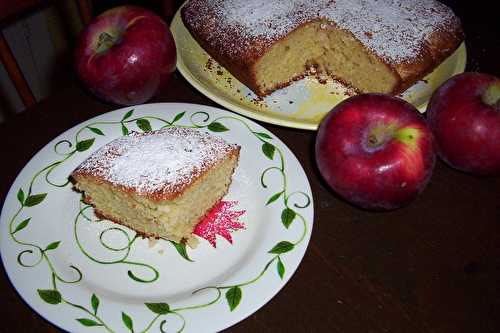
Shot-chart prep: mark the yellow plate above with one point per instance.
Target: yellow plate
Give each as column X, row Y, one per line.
column 300, row 105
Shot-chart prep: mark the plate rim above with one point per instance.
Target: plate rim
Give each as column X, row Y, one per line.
column 176, row 107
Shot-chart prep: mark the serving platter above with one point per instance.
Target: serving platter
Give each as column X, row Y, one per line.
column 88, row 275
column 300, row 105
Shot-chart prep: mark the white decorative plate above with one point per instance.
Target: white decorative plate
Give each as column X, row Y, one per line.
column 86, row 275
column 300, row 105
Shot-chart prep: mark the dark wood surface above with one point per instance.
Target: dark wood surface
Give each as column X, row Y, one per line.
column 433, row 266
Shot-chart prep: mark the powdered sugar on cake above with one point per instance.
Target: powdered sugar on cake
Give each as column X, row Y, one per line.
column 394, row 30
column 158, row 162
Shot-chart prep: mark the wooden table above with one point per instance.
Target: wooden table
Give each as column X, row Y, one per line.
column 433, row 266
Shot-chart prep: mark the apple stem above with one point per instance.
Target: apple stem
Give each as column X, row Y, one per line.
column 491, row 95
column 106, row 40
column 379, row 135
column 372, row 140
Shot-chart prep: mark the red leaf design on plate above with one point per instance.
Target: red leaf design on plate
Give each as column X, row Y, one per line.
column 221, row 220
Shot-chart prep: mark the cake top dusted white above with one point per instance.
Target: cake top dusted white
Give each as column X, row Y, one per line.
column 158, row 163
column 392, row 29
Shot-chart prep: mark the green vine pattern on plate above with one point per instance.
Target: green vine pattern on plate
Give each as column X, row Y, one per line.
column 233, row 294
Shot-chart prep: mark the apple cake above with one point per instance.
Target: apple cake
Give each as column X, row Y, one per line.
column 159, row 183
column 382, row 46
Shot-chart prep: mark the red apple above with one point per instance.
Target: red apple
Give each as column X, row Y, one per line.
column 126, row 55
column 464, row 114
column 376, row 151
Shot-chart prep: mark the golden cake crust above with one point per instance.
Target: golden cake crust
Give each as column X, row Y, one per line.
column 411, row 37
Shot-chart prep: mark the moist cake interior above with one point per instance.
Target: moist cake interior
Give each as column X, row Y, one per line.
column 324, row 50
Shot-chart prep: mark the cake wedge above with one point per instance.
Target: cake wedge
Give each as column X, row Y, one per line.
column 159, row 183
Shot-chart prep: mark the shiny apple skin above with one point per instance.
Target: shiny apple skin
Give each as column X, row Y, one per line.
column 467, row 131
column 381, row 178
column 134, row 69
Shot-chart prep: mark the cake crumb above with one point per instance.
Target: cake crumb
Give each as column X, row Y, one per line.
column 209, row 64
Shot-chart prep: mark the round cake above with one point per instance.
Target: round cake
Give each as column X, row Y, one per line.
column 371, row 45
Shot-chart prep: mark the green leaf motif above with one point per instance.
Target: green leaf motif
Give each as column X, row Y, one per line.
column 282, row 247
column 128, row 115
column 94, row 301
column 52, row 246
column 217, row 127
column 233, row 297
column 50, row 296
column 274, row 197
column 124, row 130
column 20, row 196
column 22, row 225
column 35, row 199
column 128, row 321
column 84, row 145
column 158, row 308
column 263, row 135
column 178, row 116
column 287, row 217
column 95, row 130
column 268, row 150
column 280, row 268
column 162, row 328
column 144, row 125
column 181, row 249
column 88, row 322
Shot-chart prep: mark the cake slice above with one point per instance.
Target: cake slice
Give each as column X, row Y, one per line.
column 159, row 183
column 382, row 46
